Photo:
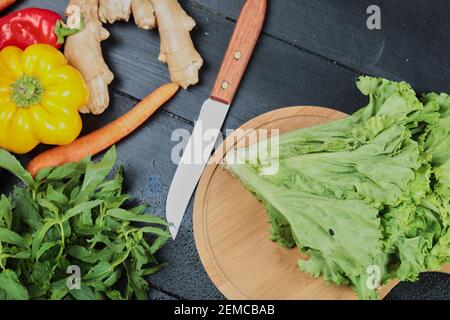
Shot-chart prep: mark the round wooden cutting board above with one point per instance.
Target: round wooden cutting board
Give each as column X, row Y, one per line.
column 231, row 229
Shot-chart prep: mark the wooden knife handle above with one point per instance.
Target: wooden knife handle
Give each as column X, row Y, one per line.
column 240, row 49
column 5, row 4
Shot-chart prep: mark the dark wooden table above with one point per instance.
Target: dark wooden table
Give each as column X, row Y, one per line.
column 310, row 53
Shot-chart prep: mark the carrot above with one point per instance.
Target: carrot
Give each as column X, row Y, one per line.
column 5, row 4
column 105, row 137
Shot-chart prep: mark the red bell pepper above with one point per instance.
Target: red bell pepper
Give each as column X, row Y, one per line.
column 5, row 4
column 29, row 26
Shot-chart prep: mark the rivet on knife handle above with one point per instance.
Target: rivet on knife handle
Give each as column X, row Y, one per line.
column 243, row 41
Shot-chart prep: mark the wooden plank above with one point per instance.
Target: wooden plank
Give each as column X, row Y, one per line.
column 158, row 295
column 278, row 75
column 148, row 173
column 412, row 44
column 283, row 72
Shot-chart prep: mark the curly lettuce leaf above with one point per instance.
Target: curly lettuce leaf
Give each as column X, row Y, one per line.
column 368, row 190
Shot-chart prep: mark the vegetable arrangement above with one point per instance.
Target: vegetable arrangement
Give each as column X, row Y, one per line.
column 84, row 52
column 74, row 215
column 174, row 25
column 69, row 213
column 369, row 191
column 105, row 137
column 40, row 95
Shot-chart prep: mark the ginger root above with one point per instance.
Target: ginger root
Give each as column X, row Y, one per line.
column 177, row 48
column 111, row 11
column 83, row 51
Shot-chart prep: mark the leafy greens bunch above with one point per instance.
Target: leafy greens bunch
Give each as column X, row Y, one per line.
column 370, row 190
column 72, row 216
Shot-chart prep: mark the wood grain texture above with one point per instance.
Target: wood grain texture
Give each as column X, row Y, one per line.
column 411, row 45
column 279, row 74
column 231, row 229
column 310, row 53
column 240, row 49
column 145, row 156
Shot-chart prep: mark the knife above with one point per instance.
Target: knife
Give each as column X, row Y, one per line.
column 214, row 111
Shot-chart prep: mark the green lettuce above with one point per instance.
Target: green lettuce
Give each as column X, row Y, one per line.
column 370, row 190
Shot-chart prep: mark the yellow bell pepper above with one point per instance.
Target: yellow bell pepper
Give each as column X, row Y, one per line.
column 40, row 95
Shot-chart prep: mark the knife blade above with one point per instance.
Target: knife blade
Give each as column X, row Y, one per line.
column 214, row 111
column 190, row 169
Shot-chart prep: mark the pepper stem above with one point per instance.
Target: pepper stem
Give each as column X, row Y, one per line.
column 26, row 91
column 62, row 31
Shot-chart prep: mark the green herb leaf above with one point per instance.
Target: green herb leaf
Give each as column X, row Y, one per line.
column 26, row 208
column 99, row 272
column 114, row 185
column 11, row 237
column 56, row 197
column 69, row 170
column 5, row 212
column 45, row 247
column 96, row 174
column 114, row 295
column 128, row 216
column 150, row 271
column 157, row 231
column 47, row 204
column 59, row 289
column 158, row 243
column 63, row 221
column 40, row 235
column 113, row 278
column 137, row 283
column 85, row 293
column 12, row 286
column 82, row 207
column 82, row 254
column 20, row 255
column 11, row 164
